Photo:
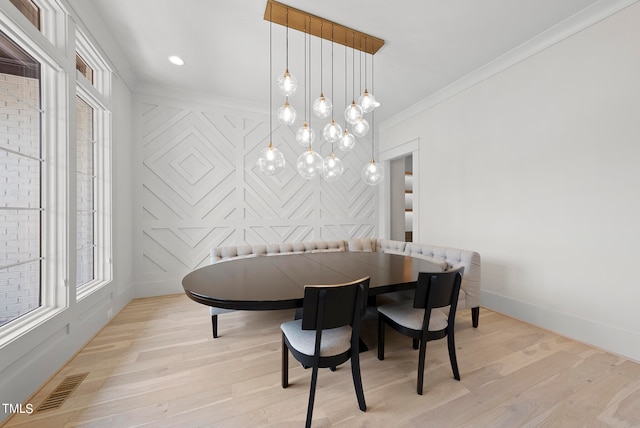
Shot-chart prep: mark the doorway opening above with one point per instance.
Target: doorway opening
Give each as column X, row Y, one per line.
column 402, row 200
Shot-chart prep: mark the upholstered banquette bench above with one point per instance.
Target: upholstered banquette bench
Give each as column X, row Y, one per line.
column 447, row 258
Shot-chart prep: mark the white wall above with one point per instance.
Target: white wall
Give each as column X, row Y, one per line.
column 27, row 362
column 538, row 169
column 196, row 187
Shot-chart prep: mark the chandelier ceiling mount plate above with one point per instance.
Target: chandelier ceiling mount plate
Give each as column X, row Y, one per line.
column 299, row 20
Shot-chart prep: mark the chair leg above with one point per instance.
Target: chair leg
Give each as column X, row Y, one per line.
column 421, row 359
column 214, row 325
column 380, row 338
column 312, row 395
column 285, row 363
column 416, row 343
column 452, row 355
column 475, row 316
column 357, row 380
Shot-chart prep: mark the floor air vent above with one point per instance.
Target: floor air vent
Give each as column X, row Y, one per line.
column 62, row 392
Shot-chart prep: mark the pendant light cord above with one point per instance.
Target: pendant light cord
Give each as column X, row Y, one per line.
column 373, row 134
column 306, row 80
column 321, row 62
column 287, row 53
column 372, row 71
column 270, row 77
column 332, row 97
column 345, row 81
column 287, row 43
column 365, row 64
column 373, row 113
column 360, row 67
column 353, row 67
column 309, row 82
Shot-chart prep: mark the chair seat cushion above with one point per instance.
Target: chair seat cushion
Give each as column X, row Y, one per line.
column 406, row 315
column 334, row 341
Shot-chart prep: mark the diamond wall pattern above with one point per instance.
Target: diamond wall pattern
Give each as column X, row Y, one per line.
column 198, row 187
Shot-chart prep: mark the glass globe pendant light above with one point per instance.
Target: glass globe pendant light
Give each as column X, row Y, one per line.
column 360, row 128
column 353, row 113
column 373, row 173
column 287, row 82
column 347, row 141
column 332, row 132
column 310, row 164
column 367, row 101
column 305, row 135
column 287, row 114
column 270, row 161
column 333, row 168
column 322, row 106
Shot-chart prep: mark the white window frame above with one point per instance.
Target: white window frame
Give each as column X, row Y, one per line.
column 55, row 50
column 97, row 97
column 54, row 182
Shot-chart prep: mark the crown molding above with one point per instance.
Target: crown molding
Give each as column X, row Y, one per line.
column 565, row 29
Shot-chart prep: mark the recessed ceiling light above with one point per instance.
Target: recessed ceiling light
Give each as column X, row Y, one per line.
column 176, row 60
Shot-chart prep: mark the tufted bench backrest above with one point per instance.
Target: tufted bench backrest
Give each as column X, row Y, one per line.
column 454, row 258
column 219, row 254
column 364, row 245
column 392, row 247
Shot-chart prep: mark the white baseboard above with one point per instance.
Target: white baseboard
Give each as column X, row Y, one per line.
column 608, row 338
column 159, row 288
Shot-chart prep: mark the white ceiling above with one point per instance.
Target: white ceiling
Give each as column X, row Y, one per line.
column 225, row 43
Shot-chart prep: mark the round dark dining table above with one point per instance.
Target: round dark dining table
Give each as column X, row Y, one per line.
column 277, row 282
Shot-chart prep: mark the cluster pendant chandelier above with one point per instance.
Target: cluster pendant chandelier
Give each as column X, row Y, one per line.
column 310, row 164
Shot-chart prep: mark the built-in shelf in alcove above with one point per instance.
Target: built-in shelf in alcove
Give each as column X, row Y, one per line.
column 408, row 206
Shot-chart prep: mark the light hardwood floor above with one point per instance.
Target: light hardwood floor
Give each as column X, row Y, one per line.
column 156, row 364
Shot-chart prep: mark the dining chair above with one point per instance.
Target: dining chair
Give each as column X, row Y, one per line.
column 328, row 334
column 423, row 319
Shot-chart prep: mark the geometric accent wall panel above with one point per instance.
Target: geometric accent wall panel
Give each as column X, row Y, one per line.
column 197, row 187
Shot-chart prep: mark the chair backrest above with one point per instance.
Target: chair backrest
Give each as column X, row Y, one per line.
column 437, row 290
column 331, row 306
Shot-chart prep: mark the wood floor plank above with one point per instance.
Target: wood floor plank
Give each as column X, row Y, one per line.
column 156, row 365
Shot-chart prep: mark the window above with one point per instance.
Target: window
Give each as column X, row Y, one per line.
column 84, row 69
column 20, row 179
column 93, row 175
column 30, row 10
column 54, row 208
column 85, row 242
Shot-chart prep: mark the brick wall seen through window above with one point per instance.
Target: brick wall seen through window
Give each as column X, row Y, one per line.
column 20, row 169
